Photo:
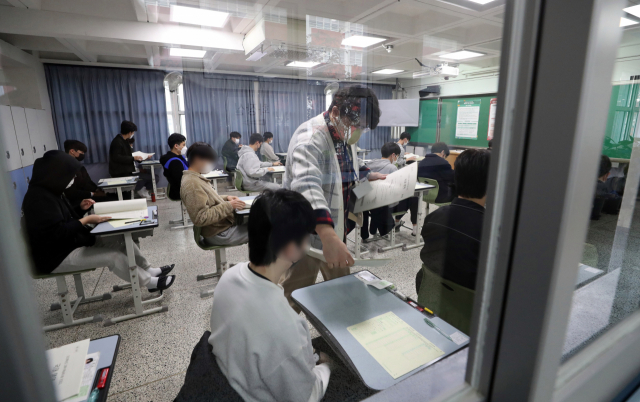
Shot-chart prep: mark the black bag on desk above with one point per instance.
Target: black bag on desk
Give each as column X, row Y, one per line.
column 204, row 381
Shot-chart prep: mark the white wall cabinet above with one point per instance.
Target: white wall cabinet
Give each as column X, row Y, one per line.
column 22, row 134
column 47, row 130
column 11, row 156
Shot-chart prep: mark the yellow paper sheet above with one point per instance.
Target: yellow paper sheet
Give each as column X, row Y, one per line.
column 394, row 344
column 116, row 223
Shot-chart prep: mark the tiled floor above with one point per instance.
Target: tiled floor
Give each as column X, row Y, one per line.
column 155, row 350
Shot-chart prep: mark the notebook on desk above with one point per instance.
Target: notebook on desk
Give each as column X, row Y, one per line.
column 117, row 180
column 129, row 209
column 277, row 169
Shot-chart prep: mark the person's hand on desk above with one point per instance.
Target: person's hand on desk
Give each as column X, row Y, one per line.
column 86, row 204
column 413, row 158
column 94, row 219
column 334, row 249
column 271, row 169
column 376, row 176
column 277, row 164
column 138, row 158
column 236, row 203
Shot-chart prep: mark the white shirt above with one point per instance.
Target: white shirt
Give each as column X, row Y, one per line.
column 261, row 345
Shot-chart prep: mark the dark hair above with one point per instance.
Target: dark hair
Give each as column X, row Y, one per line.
column 127, row 127
column 174, row 139
column 390, row 148
column 439, row 147
column 490, row 144
column 471, row 173
column 348, row 100
column 605, row 166
column 201, row 150
column 405, row 135
column 267, row 135
column 276, row 219
column 255, row 137
column 235, row 134
column 75, row 145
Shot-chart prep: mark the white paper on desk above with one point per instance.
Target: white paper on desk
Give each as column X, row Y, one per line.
column 128, row 209
column 117, row 180
column 373, row 262
column 278, row 169
column 397, row 186
column 213, row 173
column 88, row 376
column 66, row 365
column 139, row 153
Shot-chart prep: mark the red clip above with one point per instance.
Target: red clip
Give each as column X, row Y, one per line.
column 103, row 378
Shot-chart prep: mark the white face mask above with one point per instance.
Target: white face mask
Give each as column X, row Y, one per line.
column 70, row 183
column 183, row 151
column 236, row 140
column 207, row 168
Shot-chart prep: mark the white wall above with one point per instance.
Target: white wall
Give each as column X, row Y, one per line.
column 453, row 86
column 25, row 73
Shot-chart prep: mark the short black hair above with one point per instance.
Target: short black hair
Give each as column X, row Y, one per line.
column 235, row 134
column 276, row 219
column 174, row 139
column 439, row 147
column 255, row 137
column 127, row 127
column 605, row 166
column 75, row 145
column 490, row 144
column 390, row 148
column 267, row 135
column 201, row 150
column 471, row 173
column 405, row 135
column 348, row 100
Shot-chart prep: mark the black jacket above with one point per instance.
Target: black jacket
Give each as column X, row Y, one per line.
column 82, row 187
column 230, row 151
column 52, row 226
column 173, row 172
column 452, row 241
column 437, row 168
column 121, row 162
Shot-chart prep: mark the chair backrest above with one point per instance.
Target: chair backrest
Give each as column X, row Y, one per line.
column 431, row 195
column 224, row 160
column 238, row 181
column 264, row 158
column 450, row 301
column 169, row 192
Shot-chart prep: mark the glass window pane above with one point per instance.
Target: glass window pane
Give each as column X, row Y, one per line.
column 181, row 98
column 170, row 123
column 167, row 98
column 183, row 125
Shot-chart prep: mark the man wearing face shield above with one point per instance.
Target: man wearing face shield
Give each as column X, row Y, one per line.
column 322, row 166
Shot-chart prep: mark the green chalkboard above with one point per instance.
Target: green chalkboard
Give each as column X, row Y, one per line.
column 449, row 115
column 623, row 113
column 428, row 123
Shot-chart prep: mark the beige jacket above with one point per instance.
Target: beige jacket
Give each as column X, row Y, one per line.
column 206, row 208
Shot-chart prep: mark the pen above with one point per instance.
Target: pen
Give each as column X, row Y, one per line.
column 419, row 307
column 137, row 220
column 434, row 326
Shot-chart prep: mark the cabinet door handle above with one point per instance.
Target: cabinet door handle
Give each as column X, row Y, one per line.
column 15, row 186
column 8, row 155
column 28, row 179
column 34, row 150
column 22, row 151
column 45, row 148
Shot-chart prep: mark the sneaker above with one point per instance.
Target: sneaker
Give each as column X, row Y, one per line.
column 399, row 225
column 415, row 231
column 143, row 192
column 162, row 283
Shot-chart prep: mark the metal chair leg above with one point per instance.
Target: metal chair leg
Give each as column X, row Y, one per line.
column 82, row 299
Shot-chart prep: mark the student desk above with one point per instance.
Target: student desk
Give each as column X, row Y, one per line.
column 244, row 214
column 278, row 171
column 213, row 176
column 105, row 229
column 108, row 348
column 152, row 164
column 421, row 188
column 129, row 185
column 333, row 306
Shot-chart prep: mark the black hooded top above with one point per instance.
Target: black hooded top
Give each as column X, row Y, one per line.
column 52, row 226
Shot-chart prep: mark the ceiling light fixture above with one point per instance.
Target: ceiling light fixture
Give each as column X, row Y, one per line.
column 482, row 1
column 257, row 55
column 625, row 22
column 361, row 41
column 194, row 53
column 302, row 64
column 461, row 55
column 198, row 16
column 387, row 71
column 633, row 10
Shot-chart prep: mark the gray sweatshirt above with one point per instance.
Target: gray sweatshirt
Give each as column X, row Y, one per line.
column 382, row 166
column 266, row 150
column 250, row 166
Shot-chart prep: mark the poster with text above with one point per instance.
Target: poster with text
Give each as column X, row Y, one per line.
column 493, row 106
column 467, row 121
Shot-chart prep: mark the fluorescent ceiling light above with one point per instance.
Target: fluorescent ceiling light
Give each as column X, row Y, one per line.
column 179, row 52
column 625, row 22
column 198, row 16
column 257, row 55
column 361, row 41
column 387, row 71
column 481, row 1
column 633, row 10
column 461, row 55
column 302, row 64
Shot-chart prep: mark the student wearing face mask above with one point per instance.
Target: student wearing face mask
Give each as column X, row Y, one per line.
column 57, row 233
column 405, row 138
column 254, row 172
column 262, row 346
column 174, row 163
column 230, row 150
column 83, row 187
column 322, row 165
column 212, row 212
column 266, row 150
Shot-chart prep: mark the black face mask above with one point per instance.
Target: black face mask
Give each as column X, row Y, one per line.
column 80, row 158
column 131, row 140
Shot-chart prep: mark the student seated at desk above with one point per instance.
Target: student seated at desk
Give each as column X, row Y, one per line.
column 58, row 236
column 266, row 150
column 253, row 171
column 262, row 346
column 405, row 138
column 606, row 200
column 212, row 212
column 174, row 163
column 452, row 233
column 83, row 187
column 381, row 220
column 230, row 150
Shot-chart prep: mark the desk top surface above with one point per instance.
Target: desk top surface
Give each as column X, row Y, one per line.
column 586, row 274
column 106, row 228
column 215, row 174
column 130, row 182
column 340, row 303
column 281, row 153
column 277, row 169
column 246, row 211
column 150, row 162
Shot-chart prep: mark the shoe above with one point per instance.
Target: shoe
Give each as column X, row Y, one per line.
column 399, row 225
column 143, row 192
column 165, row 270
column 162, row 284
column 415, row 231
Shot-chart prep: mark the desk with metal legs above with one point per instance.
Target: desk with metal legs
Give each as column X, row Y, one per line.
column 152, row 164
column 421, row 188
column 128, row 186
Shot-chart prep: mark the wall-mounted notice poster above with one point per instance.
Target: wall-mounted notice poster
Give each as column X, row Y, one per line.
column 493, row 106
column 467, row 121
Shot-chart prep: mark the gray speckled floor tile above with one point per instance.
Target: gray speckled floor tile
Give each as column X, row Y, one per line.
column 163, row 390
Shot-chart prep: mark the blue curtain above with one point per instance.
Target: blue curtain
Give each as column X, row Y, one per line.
column 89, row 103
column 287, row 103
column 216, row 105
